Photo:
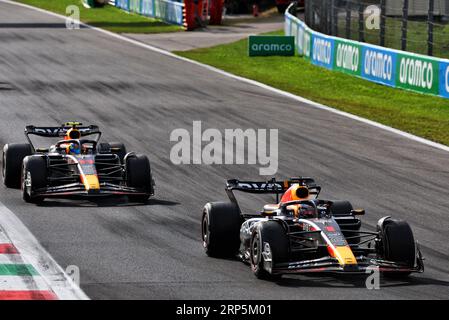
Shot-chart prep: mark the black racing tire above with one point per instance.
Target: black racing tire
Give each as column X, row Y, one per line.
column 273, row 234
column 13, row 155
column 398, row 245
column 122, row 153
column 105, row 148
column 34, row 176
column 341, row 208
column 220, row 229
column 138, row 175
column 282, row 8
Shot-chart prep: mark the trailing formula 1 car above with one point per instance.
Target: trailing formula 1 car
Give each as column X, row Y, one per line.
column 303, row 234
column 77, row 165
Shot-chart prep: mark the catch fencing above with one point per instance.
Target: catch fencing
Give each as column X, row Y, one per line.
column 169, row 11
column 382, row 65
column 419, row 26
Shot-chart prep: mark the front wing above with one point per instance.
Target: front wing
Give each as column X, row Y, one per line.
column 78, row 189
column 331, row 265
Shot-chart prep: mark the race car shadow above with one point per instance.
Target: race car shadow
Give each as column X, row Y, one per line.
column 105, row 202
column 416, row 281
column 354, row 281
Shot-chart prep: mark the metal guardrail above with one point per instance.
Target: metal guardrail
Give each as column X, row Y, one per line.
column 166, row 10
column 378, row 64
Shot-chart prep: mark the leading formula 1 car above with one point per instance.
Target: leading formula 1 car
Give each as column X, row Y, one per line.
column 78, row 165
column 303, row 234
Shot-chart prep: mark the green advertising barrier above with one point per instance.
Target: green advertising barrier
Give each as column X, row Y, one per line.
column 417, row 73
column 382, row 65
column 134, row 6
column 307, row 44
column 271, row 46
column 303, row 40
column 348, row 57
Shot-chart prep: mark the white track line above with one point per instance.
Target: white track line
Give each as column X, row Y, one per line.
column 249, row 81
column 23, row 283
column 33, row 253
column 3, row 237
column 11, row 258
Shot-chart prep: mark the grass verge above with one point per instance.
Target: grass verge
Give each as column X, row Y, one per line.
column 108, row 17
column 422, row 115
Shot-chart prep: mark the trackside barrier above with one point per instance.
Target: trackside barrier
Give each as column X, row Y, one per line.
column 382, row 65
column 169, row 11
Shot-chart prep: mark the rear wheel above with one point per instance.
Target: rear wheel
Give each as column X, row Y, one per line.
column 269, row 245
column 13, row 155
column 34, row 176
column 341, row 208
column 103, row 148
column 138, row 174
column 398, row 245
column 121, row 150
column 117, row 148
column 220, row 226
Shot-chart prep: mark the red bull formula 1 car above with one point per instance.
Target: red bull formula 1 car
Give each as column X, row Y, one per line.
column 303, row 234
column 77, row 165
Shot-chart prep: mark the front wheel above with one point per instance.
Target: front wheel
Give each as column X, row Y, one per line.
column 34, row 177
column 269, row 245
column 398, row 245
column 220, row 229
column 138, row 175
column 13, row 155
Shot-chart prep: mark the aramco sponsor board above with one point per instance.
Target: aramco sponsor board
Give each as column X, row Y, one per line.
column 386, row 66
column 271, row 46
column 444, row 79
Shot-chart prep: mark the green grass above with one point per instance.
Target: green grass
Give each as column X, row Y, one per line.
column 108, row 17
column 422, row 115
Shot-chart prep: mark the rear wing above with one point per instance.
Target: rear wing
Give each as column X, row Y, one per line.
column 273, row 186
column 55, row 132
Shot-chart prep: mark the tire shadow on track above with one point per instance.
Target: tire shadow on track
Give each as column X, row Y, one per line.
column 116, row 202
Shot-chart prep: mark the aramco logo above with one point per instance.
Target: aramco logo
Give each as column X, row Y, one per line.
column 271, row 47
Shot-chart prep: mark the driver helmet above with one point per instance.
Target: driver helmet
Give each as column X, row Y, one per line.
column 72, row 134
column 73, row 148
column 296, row 192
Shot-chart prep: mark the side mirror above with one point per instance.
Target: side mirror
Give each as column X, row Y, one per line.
column 42, row 150
column 115, row 149
column 358, row 212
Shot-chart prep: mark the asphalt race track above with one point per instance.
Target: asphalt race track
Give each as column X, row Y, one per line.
column 49, row 75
